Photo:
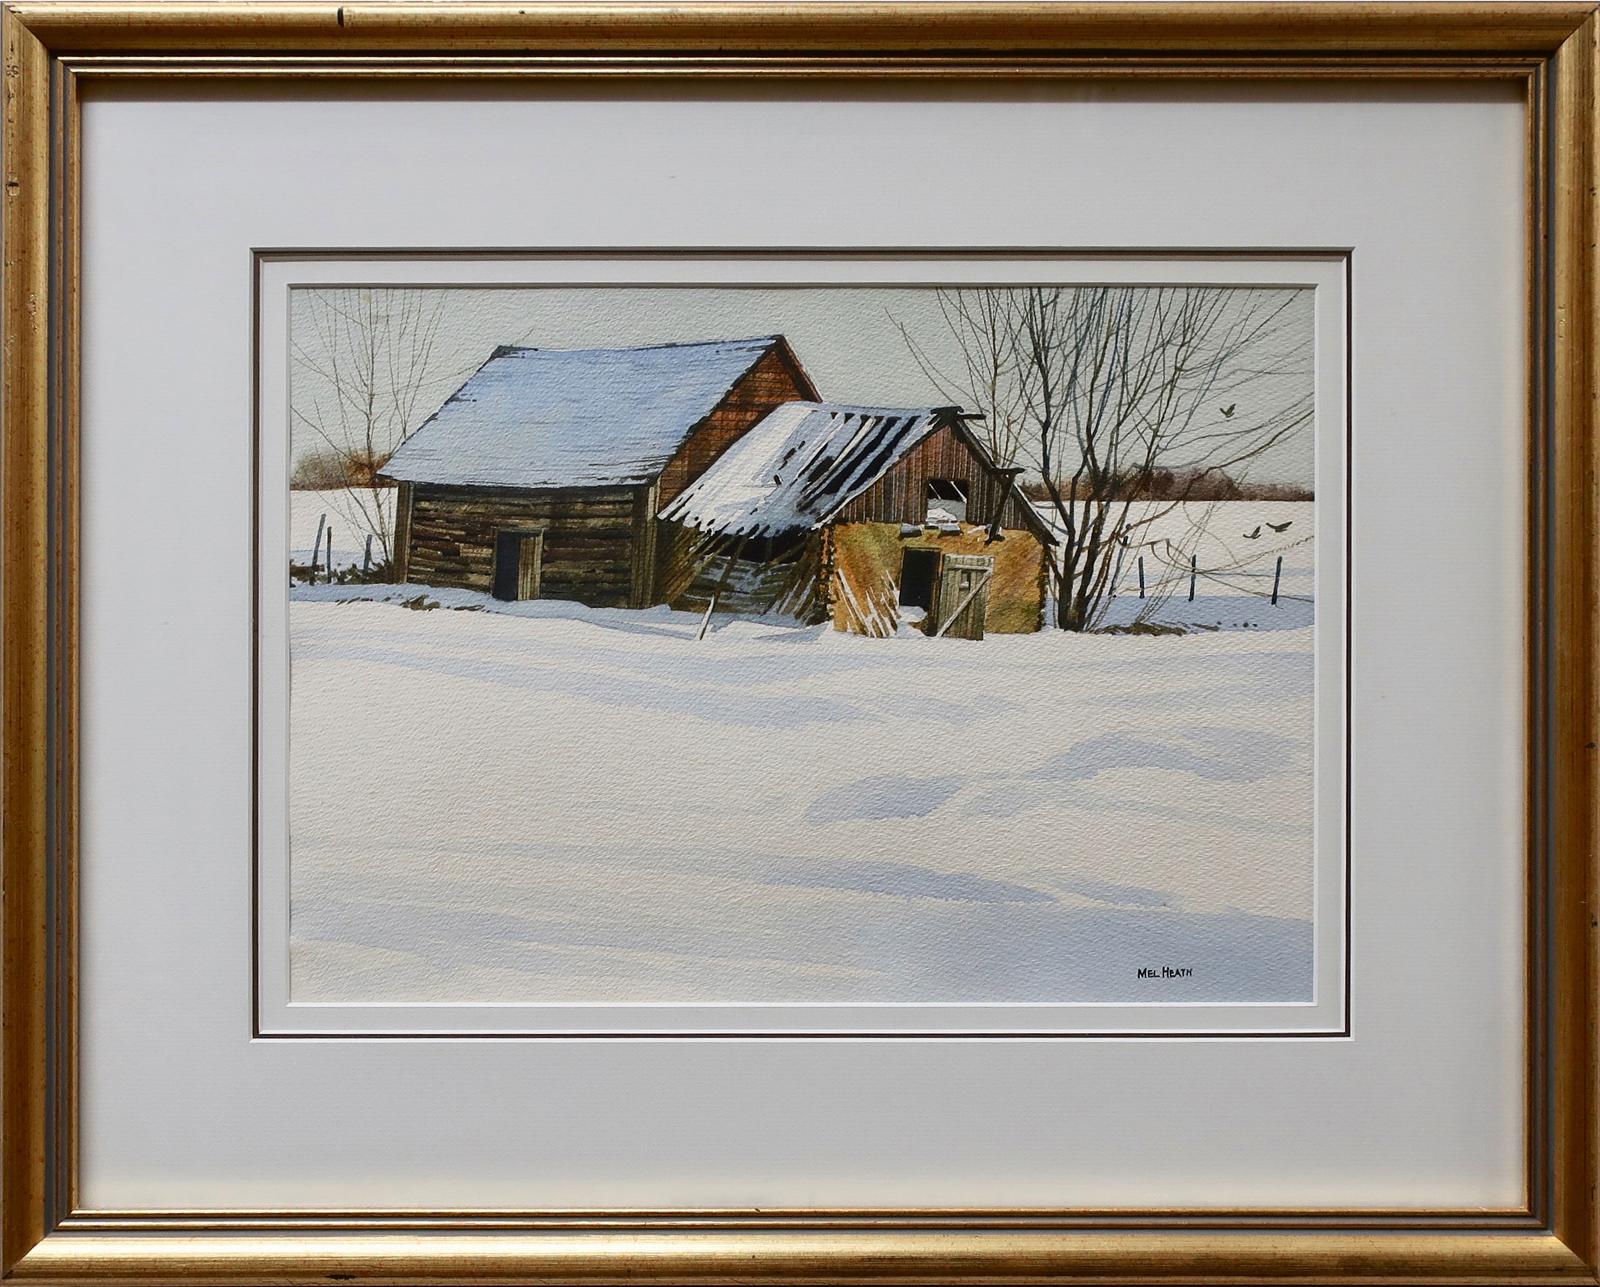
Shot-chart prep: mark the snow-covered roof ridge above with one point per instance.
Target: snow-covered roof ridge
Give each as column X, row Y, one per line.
column 800, row 465
column 543, row 417
column 503, row 350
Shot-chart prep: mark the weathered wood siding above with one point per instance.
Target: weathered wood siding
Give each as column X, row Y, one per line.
column 863, row 575
column 901, row 495
column 589, row 548
column 771, row 382
column 402, row 530
column 646, row 529
column 693, row 568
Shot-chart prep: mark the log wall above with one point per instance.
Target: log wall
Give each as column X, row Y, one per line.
column 589, row 546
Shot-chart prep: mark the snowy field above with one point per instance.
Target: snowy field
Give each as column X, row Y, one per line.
column 1235, row 546
column 545, row 802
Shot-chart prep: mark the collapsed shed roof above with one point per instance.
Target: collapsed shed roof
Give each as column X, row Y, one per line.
column 800, row 465
column 531, row 417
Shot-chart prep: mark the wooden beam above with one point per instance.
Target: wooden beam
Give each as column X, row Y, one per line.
column 645, row 504
column 402, row 531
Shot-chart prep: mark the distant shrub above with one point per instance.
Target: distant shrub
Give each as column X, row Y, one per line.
column 1275, row 492
column 378, row 574
column 321, row 471
column 1179, row 484
column 1149, row 628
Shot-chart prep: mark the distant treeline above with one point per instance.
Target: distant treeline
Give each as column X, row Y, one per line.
column 324, row 471
column 1181, row 484
column 319, row 471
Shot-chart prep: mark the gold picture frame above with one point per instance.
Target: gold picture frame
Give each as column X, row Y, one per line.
column 53, row 48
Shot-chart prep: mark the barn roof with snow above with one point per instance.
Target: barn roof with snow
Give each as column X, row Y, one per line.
column 800, row 465
column 531, row 417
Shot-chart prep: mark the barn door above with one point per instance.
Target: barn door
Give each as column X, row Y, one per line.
column 518, row 558
column 963, row 595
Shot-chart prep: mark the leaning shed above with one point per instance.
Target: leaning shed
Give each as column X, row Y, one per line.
column 868, row 515
column 542, row 475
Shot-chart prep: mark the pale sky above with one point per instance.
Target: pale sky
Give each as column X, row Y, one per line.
column 846, row 337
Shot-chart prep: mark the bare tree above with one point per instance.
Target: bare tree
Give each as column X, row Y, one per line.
column 987, row 379
column 1117, row 382
column 367, row 378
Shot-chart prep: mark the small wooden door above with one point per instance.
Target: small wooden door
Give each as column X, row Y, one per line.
column 963, row 598
column 518, row 559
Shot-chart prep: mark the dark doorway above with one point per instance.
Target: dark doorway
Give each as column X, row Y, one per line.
column 918, row 570
column 518, row 562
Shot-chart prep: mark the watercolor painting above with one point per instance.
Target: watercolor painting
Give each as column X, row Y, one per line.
column 803, row 644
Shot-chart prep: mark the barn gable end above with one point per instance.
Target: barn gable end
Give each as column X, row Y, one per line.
column 777, row 378
column 947, row 454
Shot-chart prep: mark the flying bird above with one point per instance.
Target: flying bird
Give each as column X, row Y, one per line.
column 1227, row 411
column 1279, row 527
column 1250, row 536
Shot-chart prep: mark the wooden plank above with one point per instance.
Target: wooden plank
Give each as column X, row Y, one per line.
column 454, row 524
column 598, row 500
column 529, row 560
column 402, row 530
column 646, row 504
column 508, row 515
column 590, row 544
column 592, row 563
column 558, row 575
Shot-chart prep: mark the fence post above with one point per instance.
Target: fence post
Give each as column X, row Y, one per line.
column 1116, row 574
column 1191, row 577
column 1141, row 576
column 316, row 545
column 366, row 557
column 330, row 554
column 1277, row 574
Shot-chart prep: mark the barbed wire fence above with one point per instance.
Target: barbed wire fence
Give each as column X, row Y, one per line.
column 1160, row 570
column 1176, row 570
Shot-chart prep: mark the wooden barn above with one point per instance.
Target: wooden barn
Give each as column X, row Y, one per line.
column 541, row 477
column 868, row 515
